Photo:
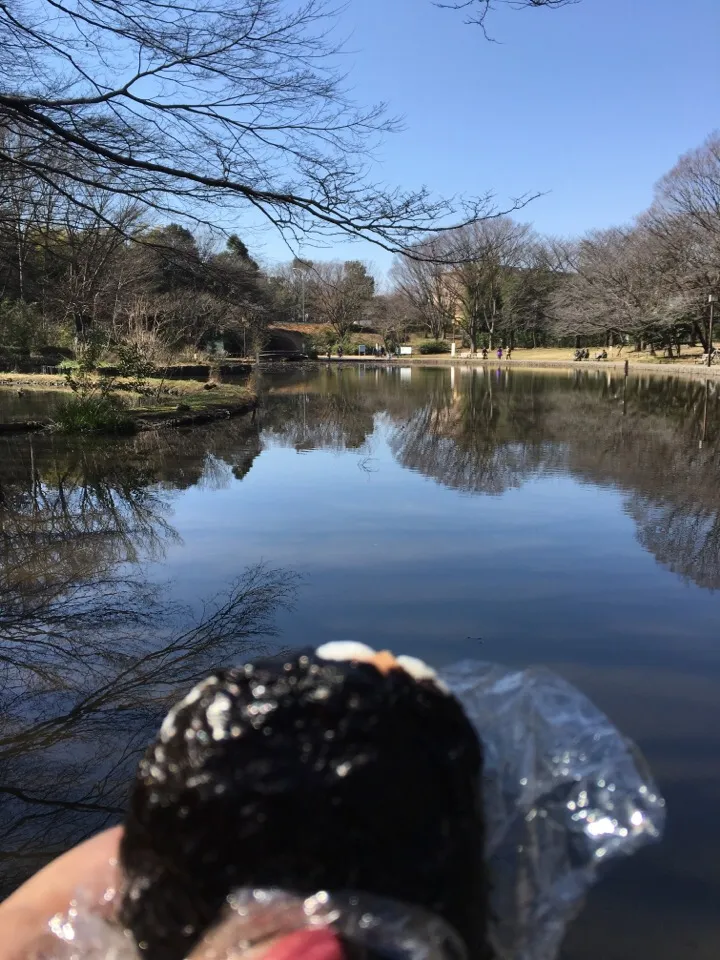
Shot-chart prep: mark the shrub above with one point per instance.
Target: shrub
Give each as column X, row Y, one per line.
column 134, row 364
column 435, row 346
column 321, row 342
column 82, row 414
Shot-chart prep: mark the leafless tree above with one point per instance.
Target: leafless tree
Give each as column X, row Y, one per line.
column 692, row 187
column 685, row 222
column 424, row 284
column 223, row 107
column 485, row 253
column 391, row 316
column 616, row 286
column 341, row 294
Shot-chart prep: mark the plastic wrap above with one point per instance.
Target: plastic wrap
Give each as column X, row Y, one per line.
column 564, row 793
column 255, row 917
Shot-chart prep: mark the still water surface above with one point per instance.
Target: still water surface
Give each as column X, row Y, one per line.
column 564, row 518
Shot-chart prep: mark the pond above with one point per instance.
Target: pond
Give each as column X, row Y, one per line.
column 569, row 518
column 20, row 403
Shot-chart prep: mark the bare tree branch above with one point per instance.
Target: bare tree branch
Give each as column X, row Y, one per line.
column 478, row 11
column 203, row 113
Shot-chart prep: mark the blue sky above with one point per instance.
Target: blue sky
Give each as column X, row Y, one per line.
column 591, row 103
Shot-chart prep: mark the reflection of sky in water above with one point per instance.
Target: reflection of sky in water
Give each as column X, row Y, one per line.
column 393, row 556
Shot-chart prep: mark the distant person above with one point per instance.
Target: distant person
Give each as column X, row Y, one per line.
column 499, row 353
column 329, row 353
column 340, row 353
column 484, row 353
column 509, row 352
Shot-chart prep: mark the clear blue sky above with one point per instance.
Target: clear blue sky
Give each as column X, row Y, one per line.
column 591, row 103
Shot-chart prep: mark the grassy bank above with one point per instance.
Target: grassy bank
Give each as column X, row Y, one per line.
column 125, row 409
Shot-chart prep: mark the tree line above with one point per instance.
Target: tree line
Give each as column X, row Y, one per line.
column 67, row 274
column 646, row 283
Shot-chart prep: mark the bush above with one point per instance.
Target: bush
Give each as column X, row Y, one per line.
column 435, row 346
column 321, row 342
column 82, row 414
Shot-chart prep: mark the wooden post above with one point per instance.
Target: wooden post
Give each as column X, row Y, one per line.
column 711, row 299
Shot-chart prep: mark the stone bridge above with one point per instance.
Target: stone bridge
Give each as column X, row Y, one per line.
column 282, row 340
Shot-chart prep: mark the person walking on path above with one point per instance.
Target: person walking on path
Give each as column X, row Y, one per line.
column 499, row 353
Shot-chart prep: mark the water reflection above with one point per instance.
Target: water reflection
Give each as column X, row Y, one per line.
column 91, row 647
column 487, row 431
column 91, row 651
column 533, row 555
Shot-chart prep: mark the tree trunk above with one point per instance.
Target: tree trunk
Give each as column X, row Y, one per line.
column 701, row 337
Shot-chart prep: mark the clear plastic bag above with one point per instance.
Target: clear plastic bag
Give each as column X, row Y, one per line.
column 564, row 793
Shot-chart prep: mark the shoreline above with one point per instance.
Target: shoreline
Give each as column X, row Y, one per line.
column 143, row 422
column 672, row 368
column 187, row 403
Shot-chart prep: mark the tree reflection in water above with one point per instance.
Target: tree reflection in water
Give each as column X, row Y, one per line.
column 91, row 652
column 484, row 431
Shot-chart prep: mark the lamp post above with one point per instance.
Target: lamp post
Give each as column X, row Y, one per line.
column 299, row 271
column 712, row 300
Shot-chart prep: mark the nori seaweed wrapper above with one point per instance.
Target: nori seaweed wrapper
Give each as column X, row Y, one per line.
column 306, row 775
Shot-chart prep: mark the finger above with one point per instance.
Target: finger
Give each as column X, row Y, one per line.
column 24, row 915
